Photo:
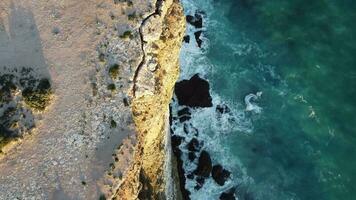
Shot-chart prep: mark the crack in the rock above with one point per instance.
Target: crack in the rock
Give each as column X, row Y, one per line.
column 157, row 11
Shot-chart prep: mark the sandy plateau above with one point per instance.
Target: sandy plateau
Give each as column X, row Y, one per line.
column 87, row 139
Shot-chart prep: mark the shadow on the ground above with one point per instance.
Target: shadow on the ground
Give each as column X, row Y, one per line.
column 25, row 84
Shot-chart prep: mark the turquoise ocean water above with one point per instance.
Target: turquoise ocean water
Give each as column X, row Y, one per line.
column 302, row 56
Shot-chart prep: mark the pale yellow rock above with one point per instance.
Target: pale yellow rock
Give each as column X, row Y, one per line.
column 150, row 109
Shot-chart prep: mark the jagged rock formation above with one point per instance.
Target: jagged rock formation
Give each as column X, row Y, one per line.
column 161, row 33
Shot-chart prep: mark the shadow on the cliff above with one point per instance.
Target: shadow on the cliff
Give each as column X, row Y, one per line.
column 22, row 68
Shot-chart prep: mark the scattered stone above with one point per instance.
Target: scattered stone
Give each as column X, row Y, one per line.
column 194, row 92
column 186, row 39
column 197, row 38
column 204, row 165
column 220, row 175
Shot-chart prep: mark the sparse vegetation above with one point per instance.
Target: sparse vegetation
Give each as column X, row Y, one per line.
column 126, row 34
column 132, row 16
column 113, row 123
column 38, row 98
column 112, row 87
column 114, row 71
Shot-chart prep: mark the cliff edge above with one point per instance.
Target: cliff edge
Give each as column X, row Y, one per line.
column 161, row 35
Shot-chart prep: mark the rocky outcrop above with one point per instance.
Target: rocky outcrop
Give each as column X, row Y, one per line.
column 161, row 36
column 193, row 92
column 219, row 174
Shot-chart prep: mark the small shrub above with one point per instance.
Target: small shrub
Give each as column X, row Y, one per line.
column 132, row 16
column 38, row 98
column 114, row 71
column 112, row 87
column 126, row 34
column 113, row 124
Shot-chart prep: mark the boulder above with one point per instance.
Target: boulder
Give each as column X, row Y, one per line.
column 186, row 39
column 228, row 195
column 196, row 20
column 219, row 174
column 204, row 165
column 193, row 92
column 193, row 145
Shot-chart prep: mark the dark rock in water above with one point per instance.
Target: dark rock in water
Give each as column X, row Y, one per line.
column 193, row 145
column 228, row 195
column 191, row 156
column 190, row 176
column 219, row 174
column 184, row 118
column 186, row 39
column 200, row 183
column 204, row 165
column 194, row 92
column 196, row 20
column 222, row 109
column 184, row 114
column 184, row 111
column 197, row 38
column 175, row 142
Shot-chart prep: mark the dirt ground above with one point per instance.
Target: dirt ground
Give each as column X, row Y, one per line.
column 82, row 143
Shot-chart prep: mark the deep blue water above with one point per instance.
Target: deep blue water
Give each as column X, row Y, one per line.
column 302, row 56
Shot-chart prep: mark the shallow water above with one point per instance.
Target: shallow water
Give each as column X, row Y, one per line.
column 300, row 55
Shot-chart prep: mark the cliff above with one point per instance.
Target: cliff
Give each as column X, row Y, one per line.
column 161, row 36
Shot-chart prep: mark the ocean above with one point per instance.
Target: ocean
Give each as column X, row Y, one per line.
column 286, row 71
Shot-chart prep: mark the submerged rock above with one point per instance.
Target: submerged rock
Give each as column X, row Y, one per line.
column 194, row 92
column 204, row 165
column 219, row 174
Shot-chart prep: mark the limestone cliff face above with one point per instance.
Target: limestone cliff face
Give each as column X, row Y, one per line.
column 161, row 36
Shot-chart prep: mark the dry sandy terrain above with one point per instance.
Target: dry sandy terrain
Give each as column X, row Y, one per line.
column 87, row 127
